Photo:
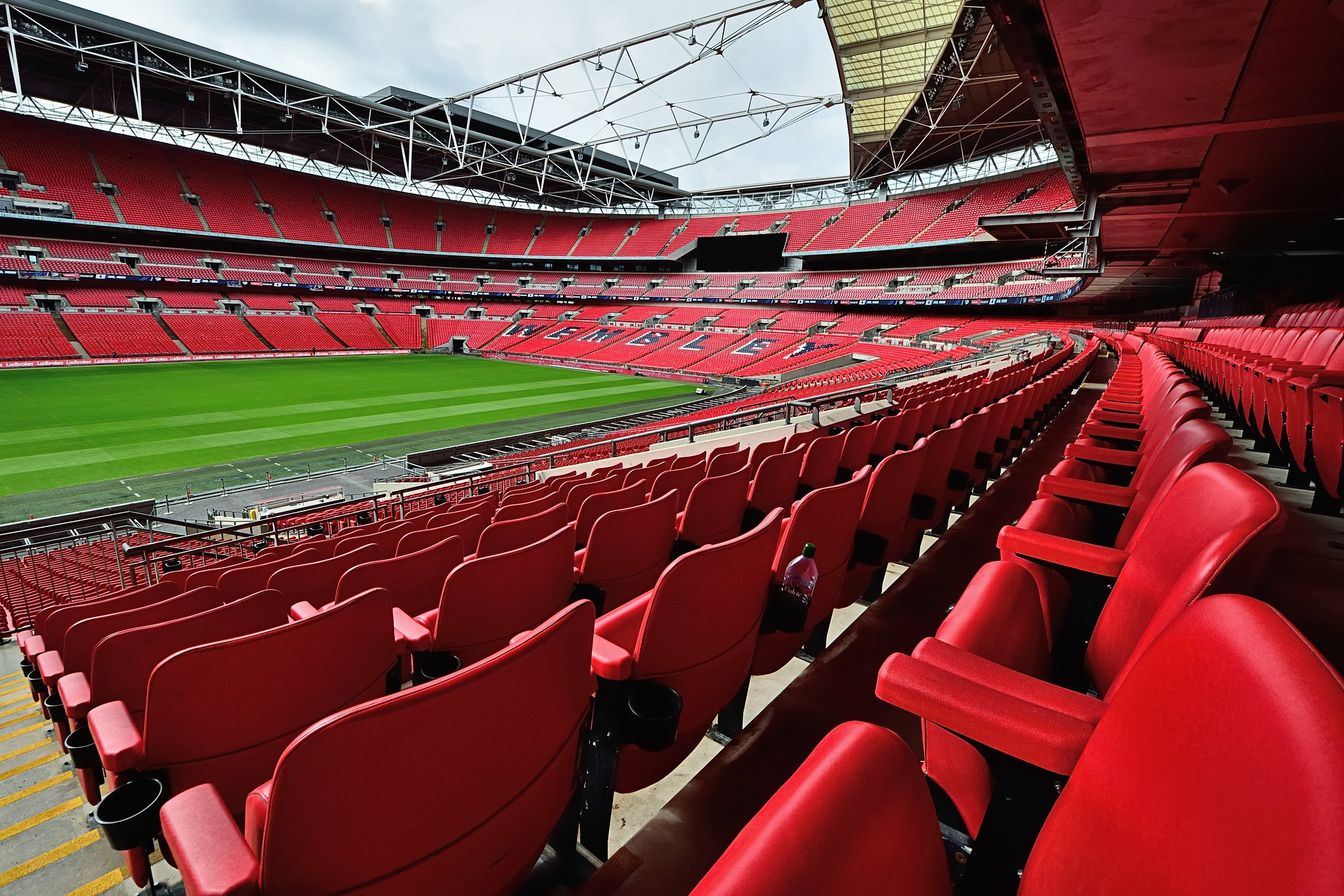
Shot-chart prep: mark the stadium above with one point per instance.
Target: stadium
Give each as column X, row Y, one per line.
column 672, row 468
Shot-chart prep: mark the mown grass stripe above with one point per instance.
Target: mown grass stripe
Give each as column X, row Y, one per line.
column 50, row 857
column 10, row 799
column 38, row 818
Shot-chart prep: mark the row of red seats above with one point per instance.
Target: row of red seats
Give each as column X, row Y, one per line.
column 1285, row 386
column 1196, row 706
column 520, row 568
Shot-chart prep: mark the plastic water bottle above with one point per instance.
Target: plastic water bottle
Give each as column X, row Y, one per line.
column 800, row 580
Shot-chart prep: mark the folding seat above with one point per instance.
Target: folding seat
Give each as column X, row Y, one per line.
column 414, row 580
column 123, row 661
column 452, row 517
column 682, row 461
column 316, row 582
column 244, row 580
column 512, row 534
column 50, row 624
column 1328, row 442
column 828, row 518
column 1212, row 530
column 725, row 462
column 467, row 530
column 679, row 480
column 508, row 512
column 666, row 662
column 803, row 438
column 209, row 575
column 883, row 535
column 626, row 551
column 1272, row 410
column 1301, row 402
column 384, row 539
column 929, row 507
column 1113, row 830
column 644, row 476
column 761, row 450
column 222, row 713
column 521, row 494
column 857, row 447
column 775, row 484
column 1155, row 472
column 821, row 463
column 472, row 821
column 487, row 600
column 714, row 510
column 575, row 496
column 885, row 433
column 968, row 465
column 594, row 506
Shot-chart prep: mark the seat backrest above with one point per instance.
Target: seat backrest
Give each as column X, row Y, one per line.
column 1213, row 527
column 858, row 445
column 252, row 577
column 54, row 625
column 594, row 485
column 884, row 435
column 594, row 506
column 221, row 713
column 859, row 770
column 628, row 548
column 715, row 507
column 83, row 636
column 679, row 480
column 385, row 539
column 724, row 462
column 776, row 481
column 1232, row 716
column 513, row 534
column 822, row 461
column 1193, row 442
column 523, row 509
column 209, row 575
column 697, row 636
column 522, row 494
column 316, row 582
column 415, row 580
column 476, row 817
column 761, row 450
column 124, row 660
column 488, row 600
column 467, row 529
column 886, row 505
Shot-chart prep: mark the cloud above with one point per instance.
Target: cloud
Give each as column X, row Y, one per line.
column 445, row 49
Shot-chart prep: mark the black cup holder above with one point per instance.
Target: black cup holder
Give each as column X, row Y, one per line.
column 786, row 611
column 440, row 499
column 55, row 709
column 315, row 529
column 363, row 518
column 36, row 684
column 129, row 815
column 652, row 711
column 83, row 753
column 429, row 665
column 25, row 666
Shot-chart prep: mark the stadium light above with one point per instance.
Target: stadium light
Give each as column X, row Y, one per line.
column 191, row 97
column 81, row 65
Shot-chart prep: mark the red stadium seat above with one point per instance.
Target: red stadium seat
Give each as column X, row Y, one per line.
column 682, row 650
column 626, row 551
column 714, row 510
column 513, row 534
column 595, row 505
column 475, row 819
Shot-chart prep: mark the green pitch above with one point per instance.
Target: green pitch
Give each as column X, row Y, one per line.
column 67, row 426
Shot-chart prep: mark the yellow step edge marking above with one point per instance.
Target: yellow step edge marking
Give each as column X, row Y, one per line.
column 37, row 863
column 12, row 798
column 12, row 676
column 28, row 766
column 18, row 715
column 5, row 692
column 28, row 698
column 37, row 726
column 100, row 885
column 35, row 745
column 33, row 821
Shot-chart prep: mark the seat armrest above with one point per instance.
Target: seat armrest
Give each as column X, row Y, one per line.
column 207, row 846
column 50, row 667
column 1095, row 454
column 32, row 646
column 1040, row 735
column 1059, row 551
column 302, row 610
column 966, row 664
column 116, row 736
column 611, row 661
column 411, row 631
column 76, row 695
column 1328, row 378
column 1113, row 433
column 1086, row 491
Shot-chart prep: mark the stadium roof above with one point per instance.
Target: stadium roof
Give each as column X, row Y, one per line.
column 924, row 81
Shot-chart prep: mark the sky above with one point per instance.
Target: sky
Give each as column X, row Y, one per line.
column 447, row 48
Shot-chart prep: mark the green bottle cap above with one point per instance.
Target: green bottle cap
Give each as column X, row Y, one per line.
column 809, row 550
